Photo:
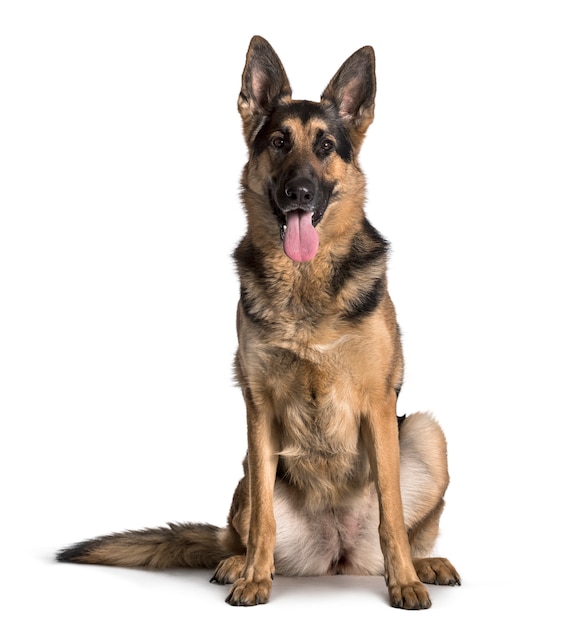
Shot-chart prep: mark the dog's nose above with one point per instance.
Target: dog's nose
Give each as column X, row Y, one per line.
column 300, row 191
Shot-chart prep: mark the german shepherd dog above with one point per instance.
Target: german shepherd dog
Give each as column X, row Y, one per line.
column 334, row 482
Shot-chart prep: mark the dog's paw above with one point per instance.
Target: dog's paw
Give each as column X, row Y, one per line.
column 409, row 596
column 246, row 592
column 436, row 571
column 229, row 570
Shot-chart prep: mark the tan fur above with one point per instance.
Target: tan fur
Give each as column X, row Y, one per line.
column 331, row 484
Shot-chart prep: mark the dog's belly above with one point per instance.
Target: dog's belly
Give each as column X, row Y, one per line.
column 330, row 540
column 322, row 476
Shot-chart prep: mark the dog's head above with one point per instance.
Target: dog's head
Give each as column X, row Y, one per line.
column 299, row 150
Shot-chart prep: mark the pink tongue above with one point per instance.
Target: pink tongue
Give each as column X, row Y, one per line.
column 300, row 239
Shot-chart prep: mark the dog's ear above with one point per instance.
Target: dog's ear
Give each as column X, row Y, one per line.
column 264, row 84
column 352, row 92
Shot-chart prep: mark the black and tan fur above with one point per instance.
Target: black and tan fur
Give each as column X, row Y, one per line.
column 334, row 483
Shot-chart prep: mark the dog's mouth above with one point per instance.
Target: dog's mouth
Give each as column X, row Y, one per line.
column 298, row 233
column 299, row 237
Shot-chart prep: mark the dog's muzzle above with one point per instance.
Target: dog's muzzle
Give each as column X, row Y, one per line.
column 299, row 203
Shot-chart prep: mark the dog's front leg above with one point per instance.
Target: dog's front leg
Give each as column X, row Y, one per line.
column 255, row 584
column 380, row 432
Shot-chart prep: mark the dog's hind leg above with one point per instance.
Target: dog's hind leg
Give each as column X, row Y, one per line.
column 431, row 570
column 424, row 479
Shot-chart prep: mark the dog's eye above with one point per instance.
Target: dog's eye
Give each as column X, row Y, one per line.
column 278, row 142
column 327, row 145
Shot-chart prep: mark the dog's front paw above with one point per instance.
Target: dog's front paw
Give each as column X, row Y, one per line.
column 410, row 596
column 246, row 592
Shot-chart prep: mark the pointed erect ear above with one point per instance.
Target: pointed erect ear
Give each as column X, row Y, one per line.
column 352, row 92
column 264, row 84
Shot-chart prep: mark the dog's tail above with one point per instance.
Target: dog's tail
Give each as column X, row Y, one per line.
column 178, row 545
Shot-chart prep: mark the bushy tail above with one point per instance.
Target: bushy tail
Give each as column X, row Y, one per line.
column 178, row 545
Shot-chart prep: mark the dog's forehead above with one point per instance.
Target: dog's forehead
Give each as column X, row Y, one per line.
column 303, row 114
column 305, row 131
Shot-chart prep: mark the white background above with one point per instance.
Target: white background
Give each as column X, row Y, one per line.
column 121, row 151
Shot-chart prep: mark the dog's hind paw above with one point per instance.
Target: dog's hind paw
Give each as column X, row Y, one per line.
column 229, row 570
column 436, row 571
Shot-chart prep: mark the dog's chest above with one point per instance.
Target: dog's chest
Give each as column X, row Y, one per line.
column 315, row 404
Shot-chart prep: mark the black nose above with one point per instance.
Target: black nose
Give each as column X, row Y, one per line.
column 300, row 192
